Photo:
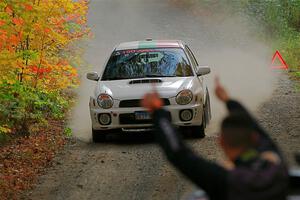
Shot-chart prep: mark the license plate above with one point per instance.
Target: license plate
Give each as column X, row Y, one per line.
column 142, row 115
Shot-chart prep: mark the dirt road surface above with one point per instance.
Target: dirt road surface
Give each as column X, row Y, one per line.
column 132, row 166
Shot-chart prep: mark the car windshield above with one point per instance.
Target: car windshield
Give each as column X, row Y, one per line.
column 141, row 63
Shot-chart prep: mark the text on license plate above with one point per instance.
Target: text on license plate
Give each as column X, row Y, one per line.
column 142, row 115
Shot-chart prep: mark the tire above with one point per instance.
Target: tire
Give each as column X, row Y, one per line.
column 199, row 131
column 98, row 136
column 207, row 108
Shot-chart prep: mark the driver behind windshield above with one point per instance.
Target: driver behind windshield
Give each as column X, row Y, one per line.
column 141, row 63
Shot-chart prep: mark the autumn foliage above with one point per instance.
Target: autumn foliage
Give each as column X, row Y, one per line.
column 39, row 54
column 35, row 37
column 22, row 161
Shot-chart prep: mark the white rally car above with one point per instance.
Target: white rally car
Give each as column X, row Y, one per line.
column 132, row 70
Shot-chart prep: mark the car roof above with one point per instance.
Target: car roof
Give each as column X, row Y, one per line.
column 149, row 43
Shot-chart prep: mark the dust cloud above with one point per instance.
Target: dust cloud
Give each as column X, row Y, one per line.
column 222, row 41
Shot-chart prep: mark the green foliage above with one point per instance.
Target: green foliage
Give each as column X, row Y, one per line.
column 22, row 106
column 39, row 53
column 276, row 22
column 281, row 25
column 68, row 132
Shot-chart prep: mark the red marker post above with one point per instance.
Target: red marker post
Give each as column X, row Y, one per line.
column 277, row 56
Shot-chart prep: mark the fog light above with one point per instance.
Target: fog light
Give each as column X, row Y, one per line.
column 186, row 115
column 104, row 119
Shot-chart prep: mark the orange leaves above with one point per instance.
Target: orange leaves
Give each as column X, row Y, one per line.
column 17, row 21
column 14, row 40
column 23, row 160
column 72, row 17
column 46, row 30
column 3, row 38
column 36, row 27
column 3, row 35
column 9, row 10
column 28, row 7
column 33, row 68
column 62, row 62
column 40, row 71
column 2, row 22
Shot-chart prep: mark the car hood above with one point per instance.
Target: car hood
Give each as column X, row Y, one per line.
column 134, row 89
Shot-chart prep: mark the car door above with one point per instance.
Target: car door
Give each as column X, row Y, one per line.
column 195, row 66
column 202, row 83
column 194, row 62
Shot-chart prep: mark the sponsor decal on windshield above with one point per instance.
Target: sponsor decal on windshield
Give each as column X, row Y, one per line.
column 129, row 51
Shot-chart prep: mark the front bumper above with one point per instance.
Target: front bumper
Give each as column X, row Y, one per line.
column 125, row 117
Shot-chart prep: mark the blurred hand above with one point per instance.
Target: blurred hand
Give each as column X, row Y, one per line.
column 152, row 101
column 220, row 92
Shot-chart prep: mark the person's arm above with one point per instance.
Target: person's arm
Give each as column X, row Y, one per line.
column 235, row 106
column 265, row 142
column 209, row 176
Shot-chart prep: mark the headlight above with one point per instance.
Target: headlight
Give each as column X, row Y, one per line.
column 105, row 101
column 184, row 97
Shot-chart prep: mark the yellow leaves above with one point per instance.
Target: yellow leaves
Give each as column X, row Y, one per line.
column 46, row 30
column 69, row 7
column 74, row 71
column 4, row 129
column 11, row 81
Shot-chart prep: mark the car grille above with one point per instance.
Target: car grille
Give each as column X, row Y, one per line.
column 129, row 118
column 136, row 103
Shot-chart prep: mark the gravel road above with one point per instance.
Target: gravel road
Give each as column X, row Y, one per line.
column 132, row 166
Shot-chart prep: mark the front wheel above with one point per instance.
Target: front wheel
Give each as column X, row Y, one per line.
column 98, row 136
column 199, row 131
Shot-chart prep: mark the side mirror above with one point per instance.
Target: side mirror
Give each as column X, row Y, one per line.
column 92, row 76
column 202, row 70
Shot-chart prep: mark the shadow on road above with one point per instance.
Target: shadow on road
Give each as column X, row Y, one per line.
column 130, row 137
column 145, row 137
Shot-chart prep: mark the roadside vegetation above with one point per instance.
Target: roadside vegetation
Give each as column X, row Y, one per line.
column 39, row 57
column 276, row 23
column 38, row 60
column 281, row 26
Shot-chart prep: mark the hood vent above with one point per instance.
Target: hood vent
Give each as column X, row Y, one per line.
column 140, row 81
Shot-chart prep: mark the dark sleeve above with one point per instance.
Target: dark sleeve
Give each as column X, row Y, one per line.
column 208, row 176
column 266, row 143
